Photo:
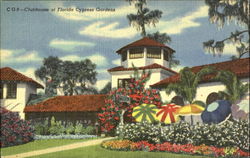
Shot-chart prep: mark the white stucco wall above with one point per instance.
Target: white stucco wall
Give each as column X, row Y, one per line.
column 17, row 105
column 203, row 90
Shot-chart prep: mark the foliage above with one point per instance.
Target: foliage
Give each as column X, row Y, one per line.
column 106, row 89
column 143, row 17
column 142, row 131
column 188, row 83
column 89, row 130
column 70, row 129
column 48, row 73
column 235, row 89
column 42, row 128
column 41, row 137
column 14, row 131
column 127, row 145
column 222, row 11
column 72, row 77
column 79, row 128
column 227, row 134
column 120, row 102
column 56, row 127
column 34, row 99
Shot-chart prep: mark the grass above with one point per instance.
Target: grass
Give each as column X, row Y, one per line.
column 37, row 145
column 99, row 152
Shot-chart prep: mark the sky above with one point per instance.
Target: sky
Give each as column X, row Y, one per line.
column 81, row 31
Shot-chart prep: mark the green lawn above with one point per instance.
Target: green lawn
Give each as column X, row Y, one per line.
column 98, row 152
column 37, row 145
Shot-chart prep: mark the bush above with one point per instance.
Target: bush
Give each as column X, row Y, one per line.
column 140, row 132
column 42, row 128
column 178, row 133
column 56, row 127
column 89, row 130
column 14, row 131
column 70, row 129
column 79, row 129
column 228, row 134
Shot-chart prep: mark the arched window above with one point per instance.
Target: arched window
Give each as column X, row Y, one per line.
column 178, row 100
column 212, row 97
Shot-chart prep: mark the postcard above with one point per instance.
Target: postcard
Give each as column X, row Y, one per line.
column 124, row 78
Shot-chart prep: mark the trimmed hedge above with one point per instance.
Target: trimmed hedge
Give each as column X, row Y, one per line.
column 227, row 134
column 14, row 130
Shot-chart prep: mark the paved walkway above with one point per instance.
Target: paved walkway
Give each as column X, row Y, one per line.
column 59, row 148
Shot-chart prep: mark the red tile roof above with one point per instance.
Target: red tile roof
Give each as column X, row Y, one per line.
column 76, row 103
column 144, row 42
column 240, row 67
column 152, row 66
column 8, row 74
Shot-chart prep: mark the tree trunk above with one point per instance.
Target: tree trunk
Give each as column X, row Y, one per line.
column 192, row 121
column 122, row 117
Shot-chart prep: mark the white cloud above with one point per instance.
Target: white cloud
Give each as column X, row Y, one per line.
column 67, row 45
column 19, row 56
column 100, row 84
column 117, row 62
column 99, row 29
column 76, row 15
column 179, row 24
column 97, row 58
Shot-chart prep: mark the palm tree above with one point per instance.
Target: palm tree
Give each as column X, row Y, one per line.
column 235, row 89
column 188, row 83
column 143, row 17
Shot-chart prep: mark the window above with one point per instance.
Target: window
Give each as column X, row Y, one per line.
column 123, row 83
column 124, row 56
column 11, row 90
column 1, row 91
column 154, row 53
column 166, row 55
column 135, row 53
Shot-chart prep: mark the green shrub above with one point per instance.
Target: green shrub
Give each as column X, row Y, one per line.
column 140, row 132
column 228, row 134
column 78, row 128
column 14, row 130
column 56, row 127
column 90, row 130
column 178, row 133
column 42, row 128
column 70, row 129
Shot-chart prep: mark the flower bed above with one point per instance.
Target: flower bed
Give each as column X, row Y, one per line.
column 228, row 134
column 127, row 145
column 40, row 137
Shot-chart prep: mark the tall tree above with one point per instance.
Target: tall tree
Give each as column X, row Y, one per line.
column 235, row 89
column 222, row 11
column 72, row 77
column 188, row 84
column 106, row 89
column 78, row 77
column 143, row 17
column 48, row 73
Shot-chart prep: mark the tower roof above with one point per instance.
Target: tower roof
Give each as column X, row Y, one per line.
column 144, row 42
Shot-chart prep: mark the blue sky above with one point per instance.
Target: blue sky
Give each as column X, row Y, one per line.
column 27, row 37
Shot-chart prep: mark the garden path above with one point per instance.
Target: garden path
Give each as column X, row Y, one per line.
column 59, row 148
